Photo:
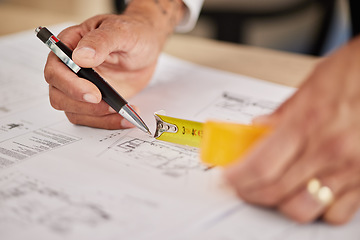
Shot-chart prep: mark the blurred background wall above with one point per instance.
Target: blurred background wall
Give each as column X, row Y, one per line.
column 304, row 26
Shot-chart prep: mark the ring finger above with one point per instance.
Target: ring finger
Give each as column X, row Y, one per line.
column 306, row 206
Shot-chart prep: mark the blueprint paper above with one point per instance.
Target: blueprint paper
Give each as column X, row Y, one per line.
column 61, row 181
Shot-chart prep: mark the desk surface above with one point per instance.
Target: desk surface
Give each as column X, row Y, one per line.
column 280, row 67
column 275, row 66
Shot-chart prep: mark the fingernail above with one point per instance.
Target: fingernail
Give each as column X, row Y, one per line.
column 126, row 124
column 111, row 110
column 85, row 52
column 90, row 98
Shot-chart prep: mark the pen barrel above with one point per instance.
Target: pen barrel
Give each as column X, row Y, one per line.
column 109, row 95
column 65, row 49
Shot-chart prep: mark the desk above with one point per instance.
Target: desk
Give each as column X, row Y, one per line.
column 275, row 66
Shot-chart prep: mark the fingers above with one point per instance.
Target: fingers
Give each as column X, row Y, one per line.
column 59, row 76
column 98, row 115
column 318, row 158
column 106, row 42
column 285, row 160
column 62, row 102
column 286, row 188
column 305, row 205
column 315, row 135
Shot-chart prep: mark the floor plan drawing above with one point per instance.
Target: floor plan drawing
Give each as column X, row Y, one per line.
column 64, row 181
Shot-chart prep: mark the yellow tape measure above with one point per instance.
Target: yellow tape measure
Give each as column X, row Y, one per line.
column 178, row 131
column 220, row 143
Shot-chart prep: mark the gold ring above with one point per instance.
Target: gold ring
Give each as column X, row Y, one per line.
column 321, row 193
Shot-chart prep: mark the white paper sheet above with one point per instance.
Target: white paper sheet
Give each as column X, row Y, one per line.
column 60, row 181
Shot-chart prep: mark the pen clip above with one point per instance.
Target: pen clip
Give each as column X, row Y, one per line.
column 51, row 43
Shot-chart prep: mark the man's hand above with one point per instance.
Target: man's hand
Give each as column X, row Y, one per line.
column 123, row 49
column 316, row 134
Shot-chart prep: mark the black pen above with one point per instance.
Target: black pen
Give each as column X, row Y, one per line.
column 109, row 95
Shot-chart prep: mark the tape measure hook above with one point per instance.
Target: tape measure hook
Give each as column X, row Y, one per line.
column 162, row 126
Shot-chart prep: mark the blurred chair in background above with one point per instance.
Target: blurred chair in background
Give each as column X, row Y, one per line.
column 305, row 26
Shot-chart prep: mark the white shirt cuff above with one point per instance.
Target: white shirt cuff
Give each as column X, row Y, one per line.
column 191, row 15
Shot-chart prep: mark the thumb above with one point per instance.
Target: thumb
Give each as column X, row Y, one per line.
column 93, row 48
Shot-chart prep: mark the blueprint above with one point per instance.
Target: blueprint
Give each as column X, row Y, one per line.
column 61, row 181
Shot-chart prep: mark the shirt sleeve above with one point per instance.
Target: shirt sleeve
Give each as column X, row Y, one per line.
column 191, row 15
column 193, row 8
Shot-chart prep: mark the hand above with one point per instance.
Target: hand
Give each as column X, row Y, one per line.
column 123, row 49
column 315, row 134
